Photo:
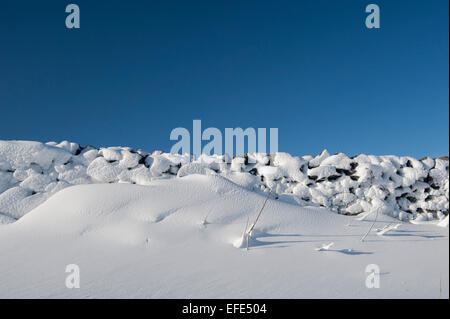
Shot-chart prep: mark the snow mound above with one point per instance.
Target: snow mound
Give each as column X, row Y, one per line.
column 403, row 187
column 444, row 222
column 134, row 241
column 194, row 168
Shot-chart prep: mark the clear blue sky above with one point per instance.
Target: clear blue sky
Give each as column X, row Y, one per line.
column 137, row 69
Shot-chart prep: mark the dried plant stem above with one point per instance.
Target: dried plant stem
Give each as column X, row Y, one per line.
column 259, row 214
column 205, row 220
column 371, row 226
column 245, row 232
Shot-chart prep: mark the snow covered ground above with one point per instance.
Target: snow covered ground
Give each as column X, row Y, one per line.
column 402, row 187
column 179, row 234
column 153, row 242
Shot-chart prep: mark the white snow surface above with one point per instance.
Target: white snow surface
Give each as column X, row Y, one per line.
column 402, row 187
column 158, row 225
column 134, row 241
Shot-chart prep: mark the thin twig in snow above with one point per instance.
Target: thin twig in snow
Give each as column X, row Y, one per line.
column 259, row 214
column 371, row 226
column 245, row 232
column 205, row 220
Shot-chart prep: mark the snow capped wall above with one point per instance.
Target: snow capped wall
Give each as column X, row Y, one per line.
column 403, row 187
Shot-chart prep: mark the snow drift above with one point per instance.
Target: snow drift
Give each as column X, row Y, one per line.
column 182, row 238
column 402, row 187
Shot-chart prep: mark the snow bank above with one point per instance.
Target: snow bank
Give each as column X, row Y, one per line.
column 186, row 238
column 402, row 187
column 444, row 222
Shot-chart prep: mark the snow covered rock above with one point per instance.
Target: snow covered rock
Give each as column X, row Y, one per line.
column 444, row 222
column 194, row 168
column 21, row 154
column 403, row 187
